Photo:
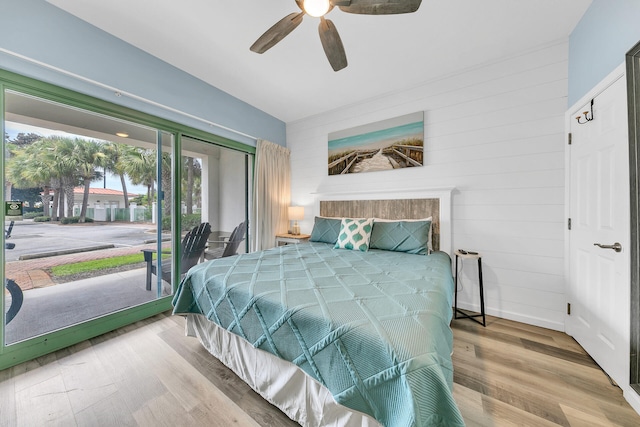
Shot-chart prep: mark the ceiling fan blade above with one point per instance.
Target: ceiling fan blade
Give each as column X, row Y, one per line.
column 378, row 7
column 332, row 44
column 280, row 30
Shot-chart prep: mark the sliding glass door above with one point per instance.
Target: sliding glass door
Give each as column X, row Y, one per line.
column 100, row 214
column 85, row 187
column 215, row 189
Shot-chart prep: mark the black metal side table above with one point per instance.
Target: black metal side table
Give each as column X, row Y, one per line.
column 458, row 314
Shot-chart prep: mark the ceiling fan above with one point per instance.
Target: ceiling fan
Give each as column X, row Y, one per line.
column 329, row 36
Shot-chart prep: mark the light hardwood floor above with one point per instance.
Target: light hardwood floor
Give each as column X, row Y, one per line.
column 150, row 374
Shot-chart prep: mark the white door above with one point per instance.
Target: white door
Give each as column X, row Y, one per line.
column 599, row 212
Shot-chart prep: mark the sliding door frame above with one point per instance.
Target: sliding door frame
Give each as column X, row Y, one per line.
column 29, row 349
column 633, row 96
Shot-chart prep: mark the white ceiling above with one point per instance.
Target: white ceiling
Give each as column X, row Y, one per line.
column 210, row 39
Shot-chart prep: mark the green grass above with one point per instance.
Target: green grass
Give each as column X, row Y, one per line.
column 99, row 264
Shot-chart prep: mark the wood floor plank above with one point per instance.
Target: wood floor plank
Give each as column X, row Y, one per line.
column 7, row 398
column 506, row 415
column 224, row 379
column 189, row 388
column 579, row 418
column 583, row 388
column 44, row 403
column 524, row 398
column 195, row 354
column 571, row 356
column 471, row 407
column 85, row 378
column 110, row 411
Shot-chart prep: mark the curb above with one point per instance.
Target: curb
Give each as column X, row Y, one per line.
column 64, row 252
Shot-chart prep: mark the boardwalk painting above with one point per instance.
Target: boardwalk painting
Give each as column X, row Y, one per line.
column 389, row 144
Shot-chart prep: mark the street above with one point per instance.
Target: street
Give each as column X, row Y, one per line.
column 41, row 237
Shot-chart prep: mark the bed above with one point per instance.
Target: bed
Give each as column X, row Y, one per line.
column 337, row 336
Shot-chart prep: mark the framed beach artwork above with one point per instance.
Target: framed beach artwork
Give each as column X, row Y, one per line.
column 389, row 144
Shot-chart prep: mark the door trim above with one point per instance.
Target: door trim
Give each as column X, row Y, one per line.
column 633, row 96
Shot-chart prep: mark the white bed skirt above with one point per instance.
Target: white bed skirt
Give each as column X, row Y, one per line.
column 283, row 384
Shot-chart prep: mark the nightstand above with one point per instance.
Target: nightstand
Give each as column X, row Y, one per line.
column 458, row 314
column 285, row 239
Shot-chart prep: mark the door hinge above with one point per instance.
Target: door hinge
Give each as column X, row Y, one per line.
column 569, row 309
column 569, row 138
column 569, row 223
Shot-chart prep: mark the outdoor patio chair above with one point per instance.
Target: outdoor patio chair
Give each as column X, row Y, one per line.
column 229, row 246
column 7, row 231
column 14, row 290
column 16, row 299
column 192, row 247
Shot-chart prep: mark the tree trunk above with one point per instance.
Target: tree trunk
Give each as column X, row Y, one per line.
column 46, row 199
column 166, row 192
column 70, row 198
column 124, row 191
column 60, row 203
column 85, row 200
column 54, row 207
column 189, row 195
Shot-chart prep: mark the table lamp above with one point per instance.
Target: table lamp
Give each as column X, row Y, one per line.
column 296, row 213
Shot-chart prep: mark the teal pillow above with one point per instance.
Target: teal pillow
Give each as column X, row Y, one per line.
column 325, row 230
column 401, row 236
column 354, row 234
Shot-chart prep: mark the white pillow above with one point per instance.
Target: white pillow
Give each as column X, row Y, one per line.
column 354, row 234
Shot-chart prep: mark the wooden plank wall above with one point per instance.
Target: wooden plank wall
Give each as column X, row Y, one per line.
column 388, row 209
column 496, row 134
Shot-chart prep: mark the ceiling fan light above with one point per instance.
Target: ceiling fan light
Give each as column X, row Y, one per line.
column 316, row 8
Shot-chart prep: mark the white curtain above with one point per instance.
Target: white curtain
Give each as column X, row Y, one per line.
column 271, row 194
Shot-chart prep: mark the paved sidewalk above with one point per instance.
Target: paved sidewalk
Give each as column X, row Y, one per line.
column 31, row 274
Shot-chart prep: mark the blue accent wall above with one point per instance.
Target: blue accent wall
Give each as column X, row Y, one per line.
column 599, row 43
column 37, row 40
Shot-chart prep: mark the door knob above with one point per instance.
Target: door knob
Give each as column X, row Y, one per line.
column 616, row 246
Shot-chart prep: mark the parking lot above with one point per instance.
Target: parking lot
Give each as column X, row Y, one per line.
column 41, row 238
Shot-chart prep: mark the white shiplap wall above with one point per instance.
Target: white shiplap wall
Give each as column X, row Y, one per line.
column 496, row 134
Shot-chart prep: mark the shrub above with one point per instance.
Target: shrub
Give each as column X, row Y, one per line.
column 188, row 222
column 70, row 220
column 74, row 220
column 31, row 215
column 42, row 219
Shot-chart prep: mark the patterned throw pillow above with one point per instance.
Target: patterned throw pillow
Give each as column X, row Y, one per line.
column 354, row 234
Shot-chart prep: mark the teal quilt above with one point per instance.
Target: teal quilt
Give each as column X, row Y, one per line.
column 372, row 327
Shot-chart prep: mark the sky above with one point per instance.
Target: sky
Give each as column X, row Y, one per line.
column 390, row 134
column 378, row 134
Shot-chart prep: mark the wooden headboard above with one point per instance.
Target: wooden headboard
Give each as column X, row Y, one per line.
column 409, row 204
column 387, row 209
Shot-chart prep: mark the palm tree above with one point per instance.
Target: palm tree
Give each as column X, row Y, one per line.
column 88, row 157
column 192, row 187
column 115, row 160
column 140, row 165
column 166, row 184
column 61, row 156
column 26, row 169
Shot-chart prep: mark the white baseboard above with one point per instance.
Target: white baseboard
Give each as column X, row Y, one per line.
column 632, row 397
column 516, row 317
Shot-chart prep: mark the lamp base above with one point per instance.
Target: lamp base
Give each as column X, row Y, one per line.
column 296, row 229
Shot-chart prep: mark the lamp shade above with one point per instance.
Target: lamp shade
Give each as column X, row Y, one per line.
column 296, row 213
